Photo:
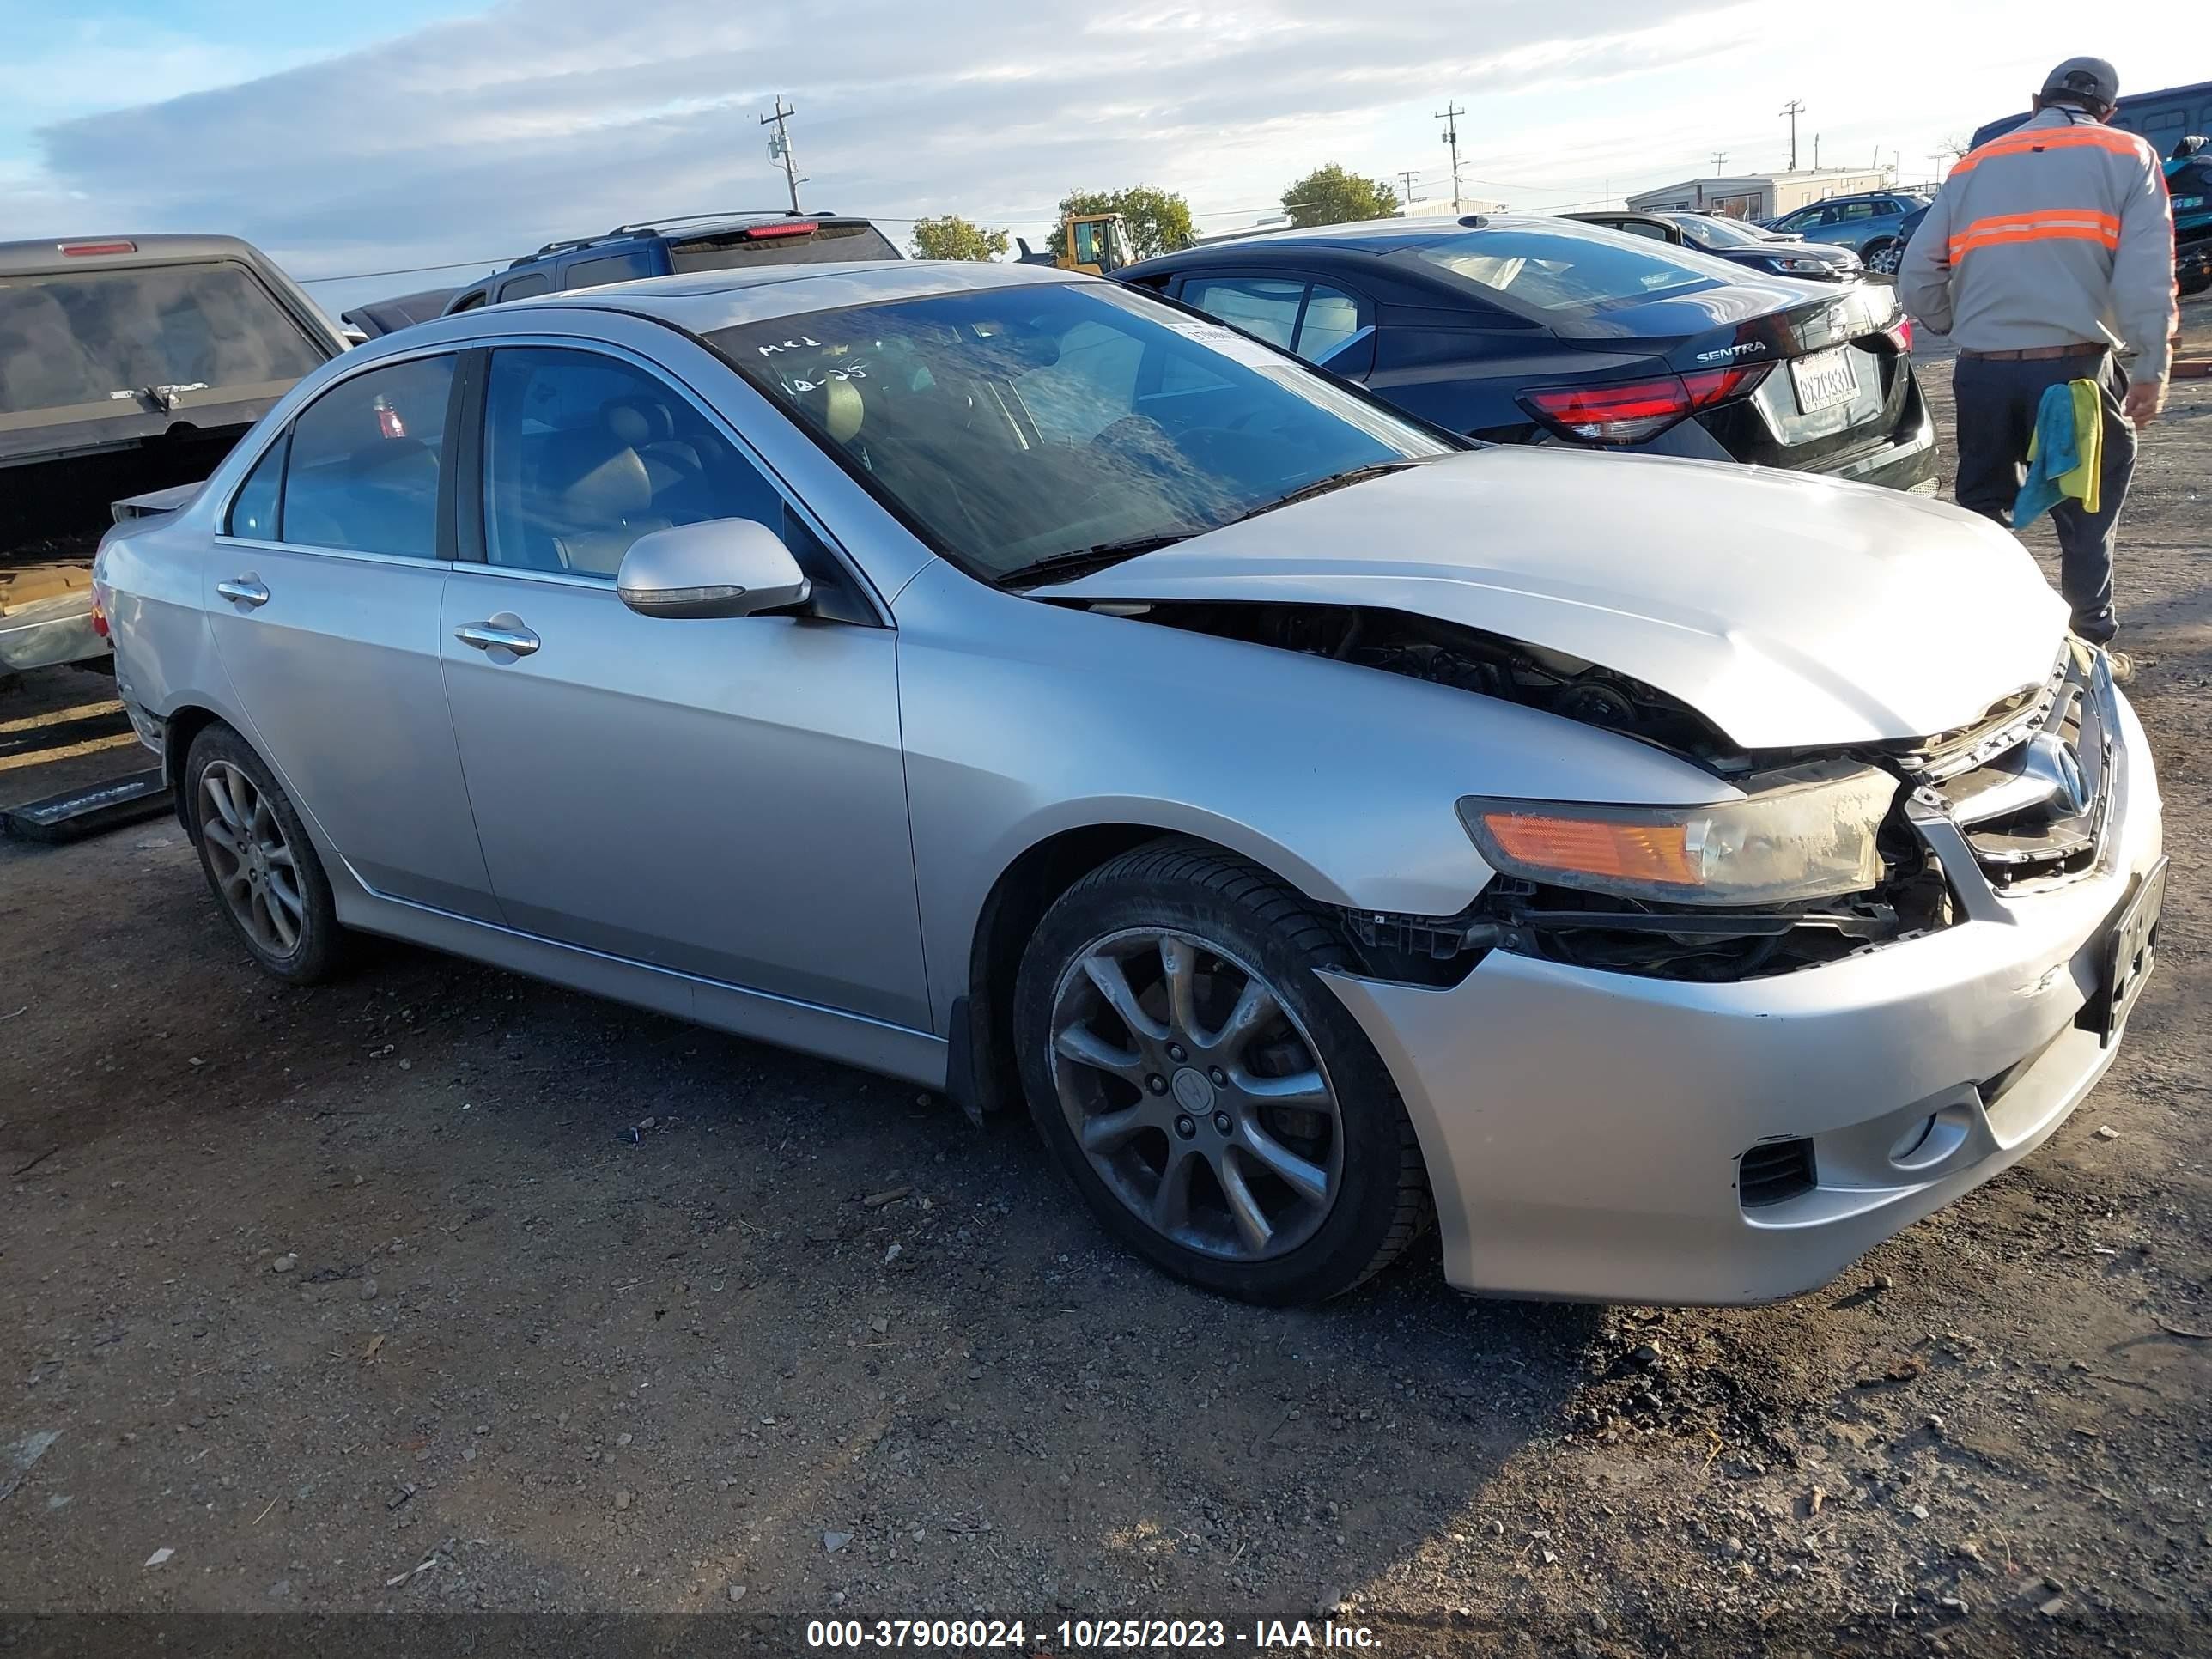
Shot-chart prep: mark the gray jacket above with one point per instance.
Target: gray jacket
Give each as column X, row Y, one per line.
column 2057, row 233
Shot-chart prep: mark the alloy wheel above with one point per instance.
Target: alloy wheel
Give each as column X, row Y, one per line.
column 1195, row 1094
column 252, row 860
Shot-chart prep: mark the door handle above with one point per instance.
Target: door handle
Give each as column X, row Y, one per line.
column 246, row 590
column 499, row 633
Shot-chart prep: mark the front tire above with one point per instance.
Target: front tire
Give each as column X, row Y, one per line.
column 1216, row 1105
column 1884, row 257
column 259, row 864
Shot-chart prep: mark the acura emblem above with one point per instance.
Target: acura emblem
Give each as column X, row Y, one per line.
column 2050, row 759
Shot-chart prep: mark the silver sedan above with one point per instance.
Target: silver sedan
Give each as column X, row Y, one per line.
column 1670, row 879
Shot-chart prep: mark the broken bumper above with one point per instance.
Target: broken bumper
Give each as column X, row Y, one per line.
column 1582, row 1129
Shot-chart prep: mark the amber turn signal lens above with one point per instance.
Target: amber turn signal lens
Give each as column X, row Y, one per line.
column 1633, row 852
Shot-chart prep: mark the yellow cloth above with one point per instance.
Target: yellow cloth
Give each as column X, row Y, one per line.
column 2080, row 480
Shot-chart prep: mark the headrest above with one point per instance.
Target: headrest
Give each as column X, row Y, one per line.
column 596, row 479
column 640, row 420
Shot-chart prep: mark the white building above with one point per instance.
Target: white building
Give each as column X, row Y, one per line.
column 1763, row 196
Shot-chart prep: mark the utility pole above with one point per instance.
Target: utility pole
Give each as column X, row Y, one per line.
column 1450, row 115
column 779, row 148
column 1793, row 109
column 1406, row 177
column 1816, row 152
column 1720, row 159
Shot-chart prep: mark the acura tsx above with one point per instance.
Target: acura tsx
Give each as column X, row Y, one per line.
column 1010, row 682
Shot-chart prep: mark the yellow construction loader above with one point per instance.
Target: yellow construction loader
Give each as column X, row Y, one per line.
column 1095, row 243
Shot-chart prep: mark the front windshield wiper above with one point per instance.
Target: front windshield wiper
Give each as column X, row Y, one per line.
column 1083, row 561
column 1334, row 481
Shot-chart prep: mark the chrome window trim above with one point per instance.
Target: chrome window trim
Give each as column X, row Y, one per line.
column 359, row 555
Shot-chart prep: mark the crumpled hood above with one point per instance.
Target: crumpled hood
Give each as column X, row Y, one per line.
column 1792, row 611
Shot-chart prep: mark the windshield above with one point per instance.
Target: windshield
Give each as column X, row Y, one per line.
column 1720, row 233
column 1567, row 267
column 1013, row 425
column 78, row 337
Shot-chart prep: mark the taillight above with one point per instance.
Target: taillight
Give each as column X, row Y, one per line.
column 100, row 595
column 84, row 249
column 783, row 227
column 1901, row 331
column 1632, row 410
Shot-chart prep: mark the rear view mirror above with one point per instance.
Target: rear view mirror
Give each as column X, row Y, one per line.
column 721, row 567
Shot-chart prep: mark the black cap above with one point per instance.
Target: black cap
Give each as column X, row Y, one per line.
column 2089, row 79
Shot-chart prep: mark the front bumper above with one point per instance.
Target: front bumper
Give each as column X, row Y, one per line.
column 1582, row 1128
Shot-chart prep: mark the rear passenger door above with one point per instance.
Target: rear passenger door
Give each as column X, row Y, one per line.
column 723, row 797
column 323, row 600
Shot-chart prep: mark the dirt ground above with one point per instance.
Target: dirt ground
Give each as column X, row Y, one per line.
column 439, row 1290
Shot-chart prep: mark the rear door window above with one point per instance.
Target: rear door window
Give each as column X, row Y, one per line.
column 521, row 288
column 79, row 337
column 1573, row 268
column 253, row 509
column 365, row 462
column 1331, row 318
column 1265, row 308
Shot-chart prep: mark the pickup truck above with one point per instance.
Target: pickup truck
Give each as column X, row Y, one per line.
column 129, row 366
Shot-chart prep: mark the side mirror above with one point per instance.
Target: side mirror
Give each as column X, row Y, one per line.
column 722, row 568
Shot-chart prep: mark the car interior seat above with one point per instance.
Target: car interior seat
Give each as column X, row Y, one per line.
column 597, row 498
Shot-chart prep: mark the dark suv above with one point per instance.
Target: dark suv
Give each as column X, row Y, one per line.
column 723, row 241
column 1867, row 224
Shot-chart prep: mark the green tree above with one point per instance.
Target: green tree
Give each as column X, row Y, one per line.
column 1157, row 220
column 1330, row 195
column 951, row 237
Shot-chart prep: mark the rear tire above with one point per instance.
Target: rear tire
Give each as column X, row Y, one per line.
column 1883, row 257
column 260, row 865
column 1236, row 1128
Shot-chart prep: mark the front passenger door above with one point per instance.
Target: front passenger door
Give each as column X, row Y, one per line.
column 724, row 797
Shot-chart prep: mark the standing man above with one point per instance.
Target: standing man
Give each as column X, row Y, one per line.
column 2046, row 251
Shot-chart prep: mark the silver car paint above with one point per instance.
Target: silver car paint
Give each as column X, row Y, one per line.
column 1017, row 719
column 1789, row 609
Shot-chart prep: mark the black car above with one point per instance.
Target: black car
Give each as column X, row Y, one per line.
column 1525, row 329
column 1738, row 243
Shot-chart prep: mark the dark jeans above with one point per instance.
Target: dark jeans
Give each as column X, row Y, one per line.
column 1997, row 398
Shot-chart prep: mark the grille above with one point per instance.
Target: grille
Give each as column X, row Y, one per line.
column 2026, row 786
column 1773, row 1172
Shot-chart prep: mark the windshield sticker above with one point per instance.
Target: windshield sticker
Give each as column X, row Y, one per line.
column 804, row 340
column 1228, row 343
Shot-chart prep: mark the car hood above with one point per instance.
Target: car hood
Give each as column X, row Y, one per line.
column 1792, row 611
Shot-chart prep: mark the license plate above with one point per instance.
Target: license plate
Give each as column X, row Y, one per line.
column 1824, row 378
column 2129, row 955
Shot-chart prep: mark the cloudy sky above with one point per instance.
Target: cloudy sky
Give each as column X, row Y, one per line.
column 347, row 138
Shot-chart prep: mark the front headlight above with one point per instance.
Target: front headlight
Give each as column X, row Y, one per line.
column 1792, row 264
column 1800, row 832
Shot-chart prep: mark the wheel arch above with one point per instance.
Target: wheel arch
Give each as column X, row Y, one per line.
column 182, row 724
column 983, row 1075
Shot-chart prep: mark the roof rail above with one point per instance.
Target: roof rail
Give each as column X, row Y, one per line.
column 724, row 213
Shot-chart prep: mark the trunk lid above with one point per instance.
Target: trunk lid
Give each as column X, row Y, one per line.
column 1791, row 611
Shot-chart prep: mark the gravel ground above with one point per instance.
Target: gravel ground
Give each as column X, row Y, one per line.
column 439, row 1290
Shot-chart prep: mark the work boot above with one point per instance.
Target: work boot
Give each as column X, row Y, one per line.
column 2122, row 666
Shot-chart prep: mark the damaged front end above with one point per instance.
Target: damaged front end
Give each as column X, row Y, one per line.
column 1826, row 854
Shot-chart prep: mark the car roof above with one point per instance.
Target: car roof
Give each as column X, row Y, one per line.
column 680, row 229
column 1375, row 236
column 700, row 302
column 45, row 254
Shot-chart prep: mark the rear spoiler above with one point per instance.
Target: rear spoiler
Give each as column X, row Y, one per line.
column 155, row 502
